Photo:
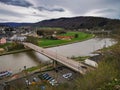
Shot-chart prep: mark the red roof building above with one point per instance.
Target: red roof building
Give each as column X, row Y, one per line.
column 64, row 37
column 2, row 40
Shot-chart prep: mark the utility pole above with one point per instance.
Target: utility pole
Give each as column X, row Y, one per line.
column 25, row 72
column 79, row 67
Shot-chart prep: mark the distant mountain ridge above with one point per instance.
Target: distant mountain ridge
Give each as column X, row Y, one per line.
column 14, row 24
column 81, row 23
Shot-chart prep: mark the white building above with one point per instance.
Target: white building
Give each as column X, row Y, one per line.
column 18, row 38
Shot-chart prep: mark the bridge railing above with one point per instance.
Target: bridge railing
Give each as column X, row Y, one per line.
column 60, row 58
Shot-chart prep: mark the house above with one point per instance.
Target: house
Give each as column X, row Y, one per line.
column 64, row 37
column 2, row 40
column 18, row 38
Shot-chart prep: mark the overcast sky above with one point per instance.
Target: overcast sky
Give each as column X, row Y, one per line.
column 37, row 10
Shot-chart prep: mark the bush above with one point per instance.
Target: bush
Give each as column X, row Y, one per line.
column 95, row 79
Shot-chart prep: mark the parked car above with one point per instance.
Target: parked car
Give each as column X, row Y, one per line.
column 67, row 75
column 27, row 82
column 35, row 79
column 48, row 78
column 45, row 76
column 53, row 82
column 5, row 73
column 42, row 76
column 51, row 79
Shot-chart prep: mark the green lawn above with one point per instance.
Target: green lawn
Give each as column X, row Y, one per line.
column 49, row 43
column 5, row 45
column 80, row 58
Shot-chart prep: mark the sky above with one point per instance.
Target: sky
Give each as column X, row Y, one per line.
column 38, row 10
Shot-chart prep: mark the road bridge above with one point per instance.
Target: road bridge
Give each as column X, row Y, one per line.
column 76, row 66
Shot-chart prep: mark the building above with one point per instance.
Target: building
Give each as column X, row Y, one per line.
column 3, row 40
column 18, row 38
column 64, row 37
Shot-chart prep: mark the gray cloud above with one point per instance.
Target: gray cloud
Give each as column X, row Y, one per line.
column 50, row 9
column 111, row 1
column 3, row 20
column 22, row 3
column 10, row 13
column 107, row 11
column 112, row 13
column 80, row 7
column 37, row 15
column 103, row 8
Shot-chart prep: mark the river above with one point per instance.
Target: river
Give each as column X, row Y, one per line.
column 84, row 48
column 16, row 62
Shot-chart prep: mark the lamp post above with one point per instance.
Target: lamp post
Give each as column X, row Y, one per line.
column 25, row 70
column 24, row 67
column 79, row 66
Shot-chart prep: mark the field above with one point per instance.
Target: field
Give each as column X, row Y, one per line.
column 50, row 43
column 5, row 45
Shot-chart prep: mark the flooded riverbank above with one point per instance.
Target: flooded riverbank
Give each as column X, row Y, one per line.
column 17, row 61
column 84, row 48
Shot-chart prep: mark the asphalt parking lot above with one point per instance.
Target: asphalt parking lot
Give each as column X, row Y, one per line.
column 57, row 74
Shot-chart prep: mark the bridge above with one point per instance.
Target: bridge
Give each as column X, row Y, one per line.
column 76, row 66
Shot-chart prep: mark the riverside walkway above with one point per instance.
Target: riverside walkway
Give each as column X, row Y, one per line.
column 76, row 66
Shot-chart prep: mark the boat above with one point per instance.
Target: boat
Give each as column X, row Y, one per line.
column 5, row 73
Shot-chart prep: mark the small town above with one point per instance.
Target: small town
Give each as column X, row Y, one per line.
column 51, row 45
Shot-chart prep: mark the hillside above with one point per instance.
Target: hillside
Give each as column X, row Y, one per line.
column 81, row 22
column 74, row 23
column 14, row 24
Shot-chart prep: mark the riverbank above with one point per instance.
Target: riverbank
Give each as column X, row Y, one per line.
column 16, row 51
column 68, row 42
column 80, row 58
column 58, row 42
column 28, row 72
column 54, row 43
column 50, row 46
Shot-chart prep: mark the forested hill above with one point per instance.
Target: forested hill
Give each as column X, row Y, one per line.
column 81, row 22
column 74, row 23
column 14, row 24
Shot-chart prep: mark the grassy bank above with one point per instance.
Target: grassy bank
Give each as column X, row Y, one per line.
column 43, row 67
column 80, row 58
column 16, row 51
column 51, row 43
column 31, row 69
column 107, row 75
column 5, row 45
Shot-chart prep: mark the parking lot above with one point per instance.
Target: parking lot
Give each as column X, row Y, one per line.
column 56, row 76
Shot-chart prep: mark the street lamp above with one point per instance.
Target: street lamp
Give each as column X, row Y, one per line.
column 25, row 70
column 24, row 67
column 79, row 67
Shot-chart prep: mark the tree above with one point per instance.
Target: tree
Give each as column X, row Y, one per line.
column 33, row 40
column 76, row 35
